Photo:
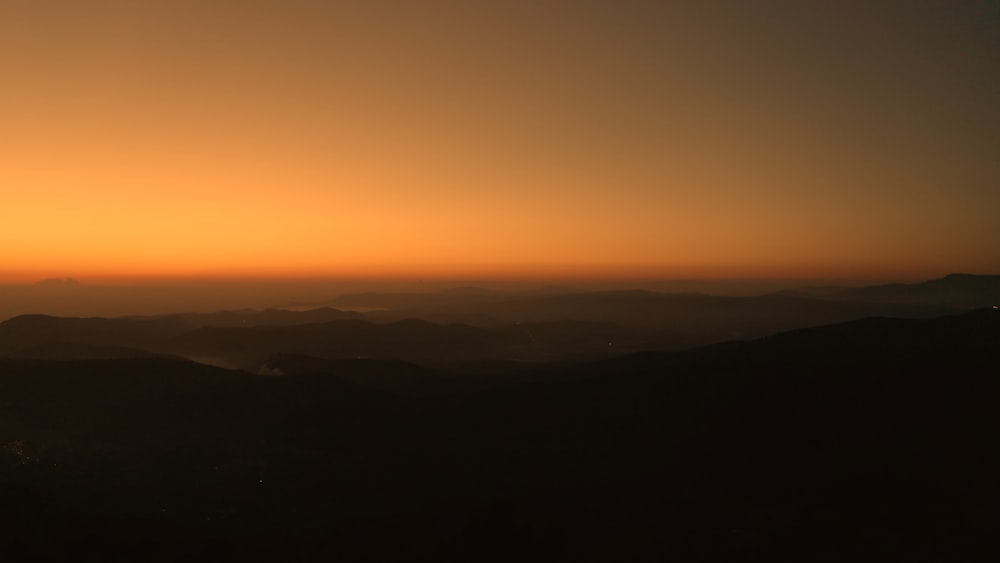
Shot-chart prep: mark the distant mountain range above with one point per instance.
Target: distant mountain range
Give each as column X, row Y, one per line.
column 874, row 437
column 748, row 316
column 528, row 327
column 266, row 317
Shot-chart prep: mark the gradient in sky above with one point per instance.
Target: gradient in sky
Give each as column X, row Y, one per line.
column 498, row 138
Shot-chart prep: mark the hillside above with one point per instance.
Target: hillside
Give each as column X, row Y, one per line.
column 818, row 444
column 956, row 290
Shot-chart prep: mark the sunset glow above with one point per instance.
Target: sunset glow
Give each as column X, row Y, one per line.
column 503, row 139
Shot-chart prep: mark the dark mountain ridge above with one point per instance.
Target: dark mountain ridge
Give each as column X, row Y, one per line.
column 816, row 444
column 258, row 317
column 408, row 339
column 69, row 351
column 29, row 330
column 720, row 316
column 955, row 290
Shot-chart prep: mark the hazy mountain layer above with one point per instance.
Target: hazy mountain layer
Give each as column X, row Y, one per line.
column 873, row 437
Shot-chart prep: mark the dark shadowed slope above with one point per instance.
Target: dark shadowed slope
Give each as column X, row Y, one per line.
column 385, row 375
column 26, row 331
column 866, row 440
column 247, row 345
column 410, row 339
column 68, row 351
column 820, row 444
column 414, row 341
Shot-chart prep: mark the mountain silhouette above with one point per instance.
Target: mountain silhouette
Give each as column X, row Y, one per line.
column 30, row 330
column 722, row 317
column 386, row 375
column 873, row 436
column 408, row 339
column 957, row 290
column 68, row 351
column 255, row 317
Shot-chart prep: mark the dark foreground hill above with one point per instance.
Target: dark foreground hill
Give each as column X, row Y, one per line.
column 871, row 440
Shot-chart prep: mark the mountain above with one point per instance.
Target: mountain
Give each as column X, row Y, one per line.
column 31, row 330
column 411, row 339
column 69, row 351
column 407, row 300
column 532, row 328
column 871, row 438
column 666, row 320
column 954, row 290
column 819, row 444
column 385, row 375
column 255, row 317
column 472, row 325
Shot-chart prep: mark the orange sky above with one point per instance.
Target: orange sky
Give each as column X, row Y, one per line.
column 429, row 138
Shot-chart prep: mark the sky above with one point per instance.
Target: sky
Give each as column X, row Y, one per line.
column 504, row 139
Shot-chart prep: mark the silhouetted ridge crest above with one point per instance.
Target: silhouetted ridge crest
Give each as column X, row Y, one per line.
column 411, row 339
column 265, row 317
column 28, row 330
column 385, row 375
column 976, row 328
column 962, row 290
column 831, row 436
